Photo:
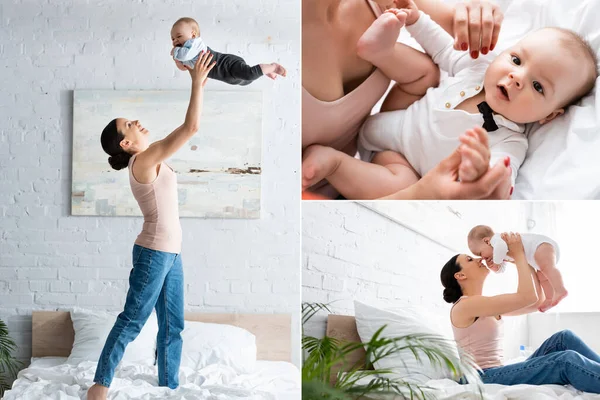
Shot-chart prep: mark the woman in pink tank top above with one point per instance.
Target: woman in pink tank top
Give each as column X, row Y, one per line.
column 339, row 89
column 563, row 359
column 156, row 280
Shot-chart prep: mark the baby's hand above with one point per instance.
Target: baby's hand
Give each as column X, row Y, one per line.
column 475, row 154
column 410, row 8
column 172, row 51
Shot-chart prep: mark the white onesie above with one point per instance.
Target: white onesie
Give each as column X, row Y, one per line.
column 531, row 241
column 428, row 130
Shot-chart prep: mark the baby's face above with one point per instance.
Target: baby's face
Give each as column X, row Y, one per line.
column 481, row 249
column 181, row 33
column 531, row 80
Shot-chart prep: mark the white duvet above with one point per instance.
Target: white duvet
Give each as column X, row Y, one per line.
column 450, row 390
column 50, row 378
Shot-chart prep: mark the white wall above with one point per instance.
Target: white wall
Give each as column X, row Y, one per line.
column 576, row 233
column 50, row 260
column 391, row 253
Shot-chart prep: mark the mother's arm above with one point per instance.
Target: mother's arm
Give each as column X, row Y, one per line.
column 525, row 296
column 534, row 307
column 165, row 148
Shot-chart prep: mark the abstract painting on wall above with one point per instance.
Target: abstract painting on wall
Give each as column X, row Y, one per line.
column 218, row 170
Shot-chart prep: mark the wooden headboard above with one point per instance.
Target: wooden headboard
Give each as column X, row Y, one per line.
column 53, row 335
column 343, row 327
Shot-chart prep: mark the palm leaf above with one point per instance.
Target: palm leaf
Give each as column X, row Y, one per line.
column 328, row 354
column 310, row 309
column 9, row 366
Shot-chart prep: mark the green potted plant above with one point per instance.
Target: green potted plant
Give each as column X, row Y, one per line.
column 322, row 357
column 9, row 366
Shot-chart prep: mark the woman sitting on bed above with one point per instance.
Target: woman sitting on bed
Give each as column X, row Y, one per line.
column 477, row 324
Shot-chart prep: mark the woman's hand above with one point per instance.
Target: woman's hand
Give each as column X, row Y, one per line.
column 476, row 26
column 201, row 69
column 475, row 154
column 441, row 183
column 515, row 244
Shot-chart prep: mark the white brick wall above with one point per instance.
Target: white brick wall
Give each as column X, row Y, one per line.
column 366, row 252
column 50, row 260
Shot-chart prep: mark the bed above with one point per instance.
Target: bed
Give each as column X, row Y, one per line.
column 561, row 160
column 344, row 327
column 271, row 376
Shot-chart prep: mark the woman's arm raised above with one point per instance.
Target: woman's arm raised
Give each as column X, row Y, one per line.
column 165, row 148
column 534, row 307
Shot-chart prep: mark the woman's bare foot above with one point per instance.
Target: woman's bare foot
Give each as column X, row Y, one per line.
column 381, row 36
column 272, row 70
column 97, row 392
column 318, row 163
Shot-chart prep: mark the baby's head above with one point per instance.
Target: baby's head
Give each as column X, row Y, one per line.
column 479, row 242
column 183, row 30
column 545, row 72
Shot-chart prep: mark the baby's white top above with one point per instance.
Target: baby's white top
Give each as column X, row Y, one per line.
column 531, row 241
column 190, row 49
column 429, row 129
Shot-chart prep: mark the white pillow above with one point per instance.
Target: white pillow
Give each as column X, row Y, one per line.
column 92, row 329
column 205, row 344
column 406, row 321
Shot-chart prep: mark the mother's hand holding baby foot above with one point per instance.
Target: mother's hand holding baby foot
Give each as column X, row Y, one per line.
column 441, row 183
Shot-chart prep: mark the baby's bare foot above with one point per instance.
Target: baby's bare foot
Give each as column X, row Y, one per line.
column 559, row 294
column 318, row 163
column 97, row 392
column 381, row 35
column 272, row 70
column 546, row 305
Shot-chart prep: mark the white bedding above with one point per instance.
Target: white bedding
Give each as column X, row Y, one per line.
column 50, row 378
column 450, row 390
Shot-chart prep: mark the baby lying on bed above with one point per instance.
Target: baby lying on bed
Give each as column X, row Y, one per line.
column 542, row 254
column 229, row 68
column 532, row 81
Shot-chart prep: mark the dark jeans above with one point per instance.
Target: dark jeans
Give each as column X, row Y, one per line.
column 561, row 360
column 233, row 70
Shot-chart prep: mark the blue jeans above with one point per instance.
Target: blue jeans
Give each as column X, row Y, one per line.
column 156, row 281
column 561, row 360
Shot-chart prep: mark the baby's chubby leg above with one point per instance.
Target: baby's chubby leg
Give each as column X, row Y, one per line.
column 413, row 71
column 548, row 291
column 545, row 257
column 353, row 178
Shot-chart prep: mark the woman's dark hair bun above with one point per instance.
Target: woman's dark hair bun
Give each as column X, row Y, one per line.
column 119, row 161
column 452, row 294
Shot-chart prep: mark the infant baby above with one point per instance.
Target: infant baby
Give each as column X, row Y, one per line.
column 541, row 252
column 229, row 68
column 533, row 81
